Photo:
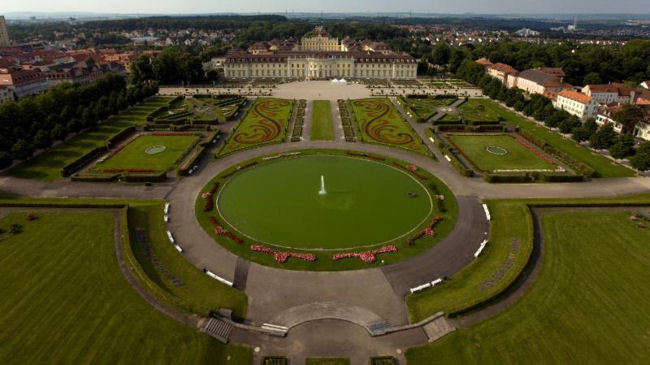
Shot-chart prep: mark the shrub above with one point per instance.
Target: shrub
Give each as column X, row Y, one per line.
column 641, row 160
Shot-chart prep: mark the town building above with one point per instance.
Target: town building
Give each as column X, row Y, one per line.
column 575, row 103
column 6, row 94
column 606, row 115
column 603, row 94
column 500, row 71
column 646, row 84
column 4, row 35
column 319, row 56
column 23, row 82
column 536, row 81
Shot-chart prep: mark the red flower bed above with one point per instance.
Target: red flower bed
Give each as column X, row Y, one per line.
column 359, row 154
column 535, row 151
column 428, row 231
column 209, row 203
column 282, row 256
column 221, row 231
column 412, row 169
column 367, row 256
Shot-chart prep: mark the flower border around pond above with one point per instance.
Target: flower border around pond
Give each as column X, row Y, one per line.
column 327, row 260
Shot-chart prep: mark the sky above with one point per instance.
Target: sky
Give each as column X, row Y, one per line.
column 371, row 6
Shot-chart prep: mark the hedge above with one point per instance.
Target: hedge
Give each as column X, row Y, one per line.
column 184, row 169
column 82, row 161
column 516, row 177
column 579, row 167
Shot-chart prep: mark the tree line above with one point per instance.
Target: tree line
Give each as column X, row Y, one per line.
column 542, row 109
column 36, row 122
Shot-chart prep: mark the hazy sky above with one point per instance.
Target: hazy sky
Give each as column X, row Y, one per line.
column 431, row 6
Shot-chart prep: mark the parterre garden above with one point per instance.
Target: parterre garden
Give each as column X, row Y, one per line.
column 266, row 122
column 379, row 122
column 199, row 109
column 584, row 306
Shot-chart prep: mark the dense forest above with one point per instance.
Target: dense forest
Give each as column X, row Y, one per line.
column 36, row 122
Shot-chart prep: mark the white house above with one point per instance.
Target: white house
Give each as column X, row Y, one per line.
column 6, row 94
column 581, row 105
column 500, row 71
column 603, row 94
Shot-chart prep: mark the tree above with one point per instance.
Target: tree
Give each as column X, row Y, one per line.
column 22, row 150
column 42, row 139
column 141, row 70
column 5, row 160
column 604, row 137
column 623, row 147
column 440, row 54
column 59, row 132
column 629, row 116
column 641, row 160
column 580, row 134
column 568, row 124
column 592, row 78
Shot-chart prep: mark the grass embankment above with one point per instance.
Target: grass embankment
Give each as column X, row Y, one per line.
column 321, row 121
column 65, row 300
column 47, row 166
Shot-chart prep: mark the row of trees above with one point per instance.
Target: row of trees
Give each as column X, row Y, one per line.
column 542, row 109
column 36, row 122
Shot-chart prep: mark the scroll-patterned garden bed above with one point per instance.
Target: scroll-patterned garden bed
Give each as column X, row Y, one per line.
column 266, row 122
column 380, row 123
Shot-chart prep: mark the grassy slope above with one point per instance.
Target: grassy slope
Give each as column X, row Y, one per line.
column 322, row 128
column 587, row 305
column 66, row 301
column 604, row 166
column 47, row 166
column 133, row 155
column 510, row 220
column 199, row 293
column 518, row 157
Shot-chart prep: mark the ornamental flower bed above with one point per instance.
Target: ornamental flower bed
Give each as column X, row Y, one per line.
column 428, row 231
column 221, row 231
column 358, row 154
column 367, row 256
column 535, row 151
column 282, row 256
column 410, row 168
column 209, row 203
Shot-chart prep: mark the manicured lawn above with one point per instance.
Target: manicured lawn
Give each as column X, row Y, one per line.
column 362, row 198
column 505, row 255
column 321, row 128
column 266, row 122
column 508, row 153
column 47, row 166
column 327, row 361
column 134, row 155
column 588, row 304
column 604, row 166
column 64, row 300
column 379, row 122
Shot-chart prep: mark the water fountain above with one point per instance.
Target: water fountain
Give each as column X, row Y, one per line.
column 322, row 186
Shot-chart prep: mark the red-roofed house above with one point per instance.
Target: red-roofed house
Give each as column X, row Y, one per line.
column 483, row 62
column 581, row 105
column 500, row 71
column 23, row 82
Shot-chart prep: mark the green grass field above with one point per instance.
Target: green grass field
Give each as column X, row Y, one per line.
column 266, row 122
column 586, row 306
column 64, row 300
column 321, row 121
column 380, row 122
column 360, row 206
column 604, row 166
column 133, row 155
column 517, row 157
column 47, row 166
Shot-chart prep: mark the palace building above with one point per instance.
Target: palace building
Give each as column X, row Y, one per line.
column 318, row 56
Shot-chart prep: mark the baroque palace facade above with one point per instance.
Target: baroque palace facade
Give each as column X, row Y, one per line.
column 319, row 56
